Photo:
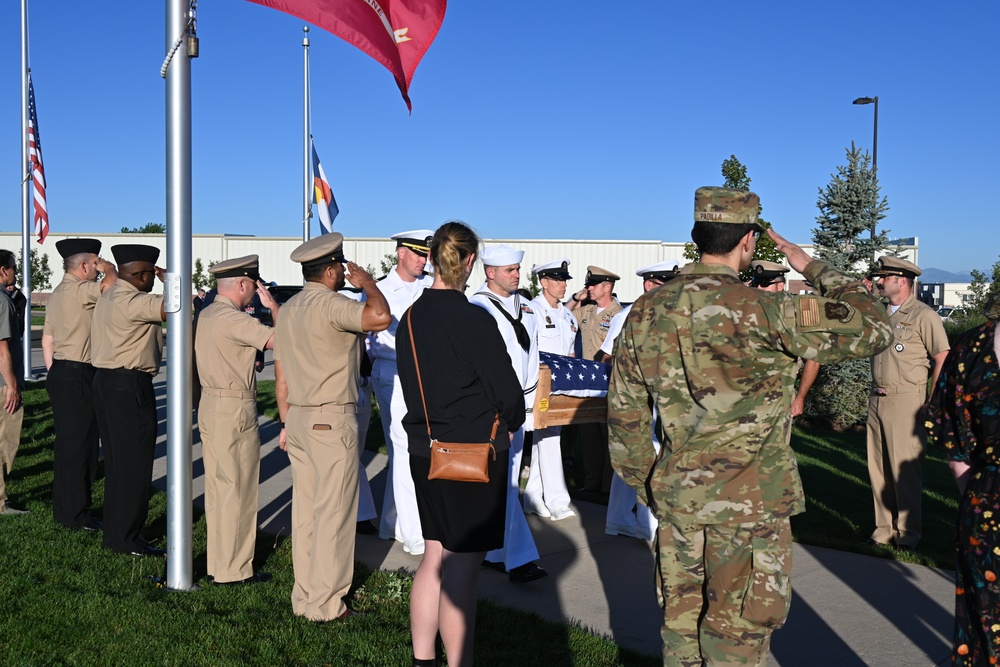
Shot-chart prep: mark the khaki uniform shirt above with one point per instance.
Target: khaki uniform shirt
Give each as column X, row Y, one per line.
column 317, row 341
column 226, row 346
column 918, row 335
column 126, row 331
column 594, row 326
column 68, row 316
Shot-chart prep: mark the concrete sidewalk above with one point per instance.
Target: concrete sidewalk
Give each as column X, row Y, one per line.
column 848, row 609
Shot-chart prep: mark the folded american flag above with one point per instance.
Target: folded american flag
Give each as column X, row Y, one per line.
column 576, row 377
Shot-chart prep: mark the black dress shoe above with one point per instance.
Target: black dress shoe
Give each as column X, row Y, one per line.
column 255, row 578
column 522, row 574
column 366, row 528
column 872, row 543
column 499, row 567
column 147, row 550
column 92, row 525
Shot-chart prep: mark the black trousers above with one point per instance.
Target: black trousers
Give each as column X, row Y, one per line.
column 74, row 466
column 126, row 417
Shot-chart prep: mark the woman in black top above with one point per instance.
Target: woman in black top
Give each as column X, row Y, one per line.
column 467, row 378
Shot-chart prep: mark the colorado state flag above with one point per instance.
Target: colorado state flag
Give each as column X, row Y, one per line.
column 326, row 205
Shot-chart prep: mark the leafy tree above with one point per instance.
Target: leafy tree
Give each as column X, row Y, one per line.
column 41, row 273
column 213, row 282
column 386, row 264
column 533, row 285
column 735, row 174
column 201, row 278
column 148, row 228
column 850, row 207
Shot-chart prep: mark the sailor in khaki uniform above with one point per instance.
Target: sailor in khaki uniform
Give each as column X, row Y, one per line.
column 316, row 365
column 546, row 494
column 70, row 380
column 226, row 345
column 595, row 322
column 126, row 344
column 768, row 276
column 899, row 390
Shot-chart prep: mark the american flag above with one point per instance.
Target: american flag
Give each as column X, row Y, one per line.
column 37, row 169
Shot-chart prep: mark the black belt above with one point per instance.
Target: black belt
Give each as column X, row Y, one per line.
column 125, row 371
column 73, row 364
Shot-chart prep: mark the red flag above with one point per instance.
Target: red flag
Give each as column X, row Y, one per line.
column 397, row 33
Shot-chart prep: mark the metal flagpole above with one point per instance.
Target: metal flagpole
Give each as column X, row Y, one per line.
column 25, row 198
column 306, row 138
column 177, row 292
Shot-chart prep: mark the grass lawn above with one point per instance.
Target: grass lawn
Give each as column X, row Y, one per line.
column 66, row 601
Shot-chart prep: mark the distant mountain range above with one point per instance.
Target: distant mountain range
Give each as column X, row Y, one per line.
column 939, row 276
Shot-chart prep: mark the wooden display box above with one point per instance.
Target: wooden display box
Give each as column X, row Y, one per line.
column 559, row 410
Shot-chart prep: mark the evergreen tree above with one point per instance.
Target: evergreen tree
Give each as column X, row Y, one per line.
column 850, row 208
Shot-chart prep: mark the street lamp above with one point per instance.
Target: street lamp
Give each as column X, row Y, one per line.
column 870, row 100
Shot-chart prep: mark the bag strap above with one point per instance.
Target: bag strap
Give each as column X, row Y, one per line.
column 420, row 383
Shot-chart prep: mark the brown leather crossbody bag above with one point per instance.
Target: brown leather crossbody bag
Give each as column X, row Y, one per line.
column 457, row 461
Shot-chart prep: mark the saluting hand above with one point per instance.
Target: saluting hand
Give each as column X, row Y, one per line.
column 104, row 266
column 358, row 276
column 797, row 257
column 160, row 272
column 266, row 298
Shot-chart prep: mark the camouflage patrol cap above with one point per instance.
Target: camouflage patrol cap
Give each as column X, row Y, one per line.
column 714, row 204
column 894, row 266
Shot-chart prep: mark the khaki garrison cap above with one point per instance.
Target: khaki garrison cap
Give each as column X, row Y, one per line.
column 557, row 268
column 417, row 240
column 69, row 247
column 894, row 266
column 596, row 274
column 712, row 204
column 324, row 249
column 239, row 267
column 663, row 271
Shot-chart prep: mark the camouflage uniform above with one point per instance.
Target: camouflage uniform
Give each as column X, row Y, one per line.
column 718, row 360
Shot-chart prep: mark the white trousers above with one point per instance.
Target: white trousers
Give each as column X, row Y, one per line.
column 546, row 481
column 366, row 502
column 620, row 515
column 518, row 544
column 400, row 519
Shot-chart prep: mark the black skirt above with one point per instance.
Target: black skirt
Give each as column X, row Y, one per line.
column 465, row 517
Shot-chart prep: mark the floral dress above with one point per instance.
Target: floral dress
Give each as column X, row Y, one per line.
column 963, row 419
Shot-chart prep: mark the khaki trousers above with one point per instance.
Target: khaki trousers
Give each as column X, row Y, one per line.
column 231, row 454
column 895, row 466
column 726, row 590
column 322, row 445
column 10, row 439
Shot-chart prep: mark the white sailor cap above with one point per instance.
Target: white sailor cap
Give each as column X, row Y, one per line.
column 417, row 240
column 501, row 255
column 660, row 271
column 557, row 268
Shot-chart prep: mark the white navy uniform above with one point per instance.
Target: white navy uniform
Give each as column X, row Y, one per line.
column 400, row 519
column 519, row 546
column 366, row 501
column 621, row 520
column 546, row 489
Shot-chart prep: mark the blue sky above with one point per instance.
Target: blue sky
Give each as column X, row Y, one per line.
column 557, row 119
